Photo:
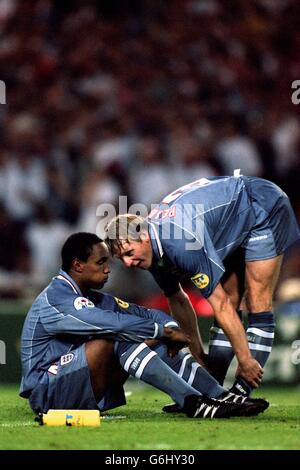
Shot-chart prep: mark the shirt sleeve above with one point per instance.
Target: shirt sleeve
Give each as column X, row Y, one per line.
column 151, row 313
column 168, row 282
column 77, row 315
column 119, row 305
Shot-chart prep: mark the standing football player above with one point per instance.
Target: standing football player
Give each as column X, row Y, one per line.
column 228, row 235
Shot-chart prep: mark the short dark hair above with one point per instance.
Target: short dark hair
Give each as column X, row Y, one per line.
column 79, row 245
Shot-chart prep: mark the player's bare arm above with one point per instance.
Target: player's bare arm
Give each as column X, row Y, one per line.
column 229, row 321
column 175, row 339
column 183, row 311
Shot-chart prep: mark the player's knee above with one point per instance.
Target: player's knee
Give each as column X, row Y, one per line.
column 259, row 301
column 99, row 348
column 235, row 300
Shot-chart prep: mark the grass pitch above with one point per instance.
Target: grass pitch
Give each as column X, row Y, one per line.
column 141, row 425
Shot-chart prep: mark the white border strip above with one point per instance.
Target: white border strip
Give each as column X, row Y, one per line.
column 219, row 342
column 62, row 278
column 182, row 367
column 133, row 356
column 262, row 333
column 144, row 363
column 259, row 347
column 195, row 366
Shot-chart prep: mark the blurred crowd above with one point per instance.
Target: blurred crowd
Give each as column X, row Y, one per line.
column 109, row 98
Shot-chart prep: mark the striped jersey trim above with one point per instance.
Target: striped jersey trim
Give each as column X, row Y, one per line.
column 62, row 278
column 259, row 347
column 158, row 242
column 219, row 342
column 261, row 333
column 133, row 356
column 143, row 364
column 194, row 368
column 182, row 367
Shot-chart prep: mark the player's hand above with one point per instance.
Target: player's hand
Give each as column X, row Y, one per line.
column 151, row 343
column 251, row 371
column 175, row 339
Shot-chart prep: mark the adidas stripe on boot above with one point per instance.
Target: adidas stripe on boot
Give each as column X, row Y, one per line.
column 205, row 407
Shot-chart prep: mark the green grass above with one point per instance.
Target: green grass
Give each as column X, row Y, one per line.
column 141, row 425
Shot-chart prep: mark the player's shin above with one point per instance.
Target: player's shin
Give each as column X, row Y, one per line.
column 260, row 334
column 144, row 364
column 193, row 373
column 220, row 352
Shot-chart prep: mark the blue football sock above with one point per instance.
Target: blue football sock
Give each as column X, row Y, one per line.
column 260, row 334
column 144, row 364
column 220, row 353
column 193, row 373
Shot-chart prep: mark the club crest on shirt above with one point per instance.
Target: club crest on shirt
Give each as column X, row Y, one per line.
column 121, row 303
column 200, row 280
column 82, row 302
column 66, row 359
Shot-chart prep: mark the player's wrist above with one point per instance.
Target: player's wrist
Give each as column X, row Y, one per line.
column 244, row 360
column 167, row 332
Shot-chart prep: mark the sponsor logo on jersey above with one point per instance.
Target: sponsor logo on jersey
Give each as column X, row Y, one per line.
column 82, row 302
column 121, row 303
column 200, row 280
column 66, row 359
column 162, row 213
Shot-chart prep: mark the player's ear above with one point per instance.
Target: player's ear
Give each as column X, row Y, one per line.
column 77, row 265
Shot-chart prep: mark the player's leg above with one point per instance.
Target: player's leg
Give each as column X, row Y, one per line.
column 220, row 352
column 106, row 374
column 261, row 280
column 78, row 380
column 195, row 375
column 104, row 368
column 275, row 230
column 68, row 385
column 143, row 363
column 191, row 371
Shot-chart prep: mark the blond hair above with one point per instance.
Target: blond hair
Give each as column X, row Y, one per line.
column 122, row 228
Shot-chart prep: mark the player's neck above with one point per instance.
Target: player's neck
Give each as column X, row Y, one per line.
column 78, row 281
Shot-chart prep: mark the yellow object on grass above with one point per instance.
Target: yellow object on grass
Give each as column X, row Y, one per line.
column 71, row 418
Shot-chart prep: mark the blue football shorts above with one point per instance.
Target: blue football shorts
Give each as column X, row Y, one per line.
column 276, row 226
column 67, row 385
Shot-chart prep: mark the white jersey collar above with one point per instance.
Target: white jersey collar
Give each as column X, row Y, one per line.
column 158, row 242
column 63, row 276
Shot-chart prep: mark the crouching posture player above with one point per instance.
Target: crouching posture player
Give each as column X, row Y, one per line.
column 79, row 346
column 227, row 235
